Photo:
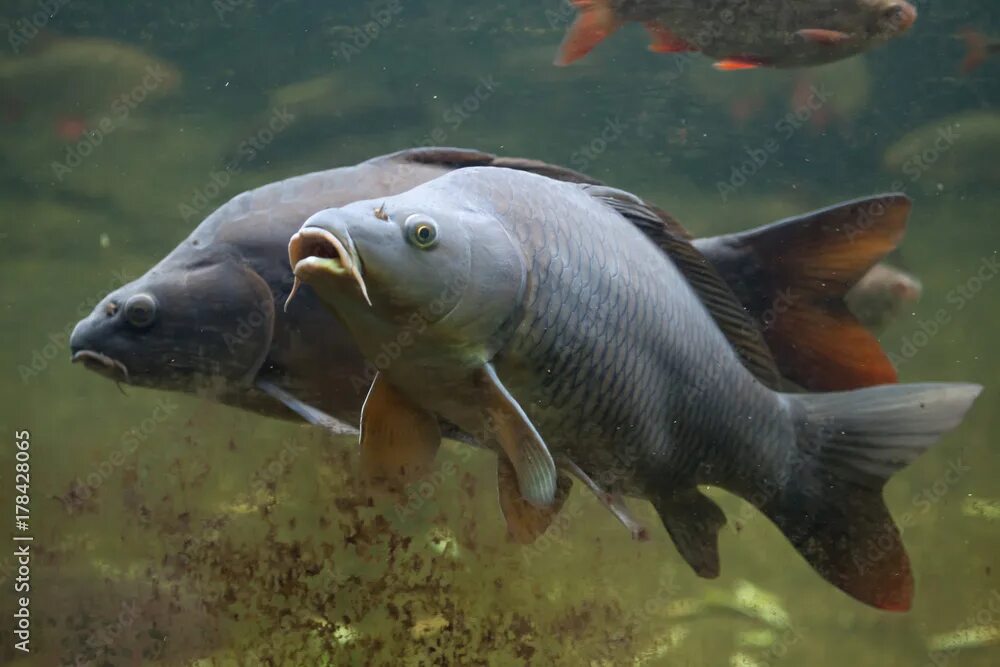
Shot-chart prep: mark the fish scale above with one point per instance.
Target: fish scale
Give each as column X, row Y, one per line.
column 611, row 376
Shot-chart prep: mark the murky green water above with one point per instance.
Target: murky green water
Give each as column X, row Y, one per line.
column 209, row 536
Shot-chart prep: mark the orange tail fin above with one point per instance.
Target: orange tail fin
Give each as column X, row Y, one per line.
column 793, row 275
column 592, row 26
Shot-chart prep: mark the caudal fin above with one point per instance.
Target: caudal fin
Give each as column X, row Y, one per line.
column 793, row 275
column 850, row 444
column 592, row 26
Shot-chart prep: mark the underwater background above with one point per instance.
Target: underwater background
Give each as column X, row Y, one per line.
column 169, row 530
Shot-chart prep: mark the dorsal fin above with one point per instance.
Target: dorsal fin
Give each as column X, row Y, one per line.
column 738, row 326
column 458, row 158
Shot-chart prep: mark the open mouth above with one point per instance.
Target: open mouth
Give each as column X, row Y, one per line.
column 103, row 364
column 314, row 253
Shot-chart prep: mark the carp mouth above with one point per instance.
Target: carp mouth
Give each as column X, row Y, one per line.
column 314, row 252
column 103, row 364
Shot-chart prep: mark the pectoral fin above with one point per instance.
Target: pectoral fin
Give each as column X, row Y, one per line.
column 309, row 413
column 525, row 522
column 509, row 426
column 399, row 439
column 693, row 521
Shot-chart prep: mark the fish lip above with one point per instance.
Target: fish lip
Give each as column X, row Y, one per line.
column 315, row 252
column 103, row 364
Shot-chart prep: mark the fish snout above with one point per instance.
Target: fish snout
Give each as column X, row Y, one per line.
column 899, row 17
column 316, row 253
column 83, row 343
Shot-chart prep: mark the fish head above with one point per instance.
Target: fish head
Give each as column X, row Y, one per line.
column 426, row 273
column 199, row 324
column 886, row 19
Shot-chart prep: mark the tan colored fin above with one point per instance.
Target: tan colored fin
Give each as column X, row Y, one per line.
column 525, row 522
column 399, row 439
column 508, row 425
column 738, row 326
column 793, row 276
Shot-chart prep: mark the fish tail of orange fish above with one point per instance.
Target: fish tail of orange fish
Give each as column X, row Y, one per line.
column 594, row 23
column 975, row 53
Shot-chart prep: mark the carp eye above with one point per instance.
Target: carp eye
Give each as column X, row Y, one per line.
column 140, row 310
column 421, row 231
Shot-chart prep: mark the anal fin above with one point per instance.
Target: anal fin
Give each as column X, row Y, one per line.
column 693, row 521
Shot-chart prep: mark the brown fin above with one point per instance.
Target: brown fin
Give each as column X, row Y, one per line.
column 508, row 425
column 592, row 26
column 525, row 522
column 665, row 41
column 722, row 303
column 793, row 276
column 693, row 521
column 399, row 439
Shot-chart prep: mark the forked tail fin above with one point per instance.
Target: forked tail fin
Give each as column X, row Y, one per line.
column 793, row 275
column 849, row 445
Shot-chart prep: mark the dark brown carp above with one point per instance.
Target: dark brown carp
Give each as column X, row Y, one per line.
column 568, row 328
column 207, row 319
column 740, row 34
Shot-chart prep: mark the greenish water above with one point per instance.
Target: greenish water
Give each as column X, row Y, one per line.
column 215, row 537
